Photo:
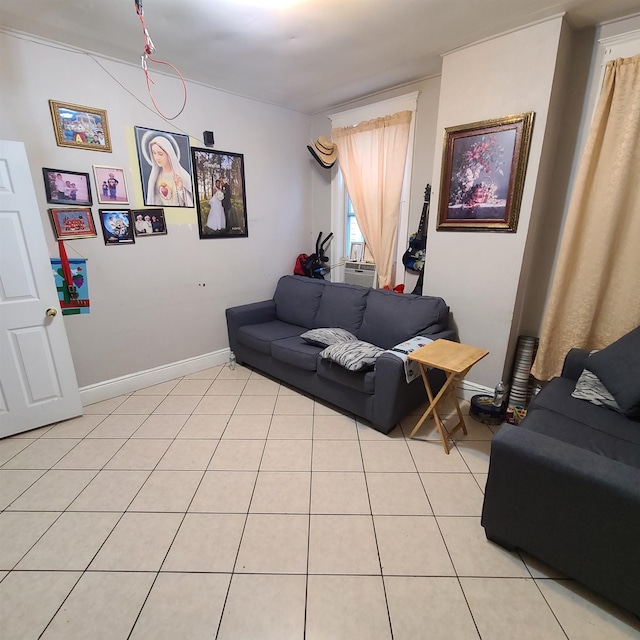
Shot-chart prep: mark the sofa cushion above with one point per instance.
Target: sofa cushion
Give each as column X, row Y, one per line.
column 618, row 367
column 589, row 388
column 362, row 381
column 583, row 436
column 296, row 352
column 352, row 355
column 260, row 336
column 328, row 335
column 556, row 397
column 391, row 318
column 342, row 305
column 297, row 300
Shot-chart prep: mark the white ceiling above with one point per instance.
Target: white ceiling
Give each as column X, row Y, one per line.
column 311, row 55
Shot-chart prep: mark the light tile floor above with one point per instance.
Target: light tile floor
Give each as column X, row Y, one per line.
column 225, row 505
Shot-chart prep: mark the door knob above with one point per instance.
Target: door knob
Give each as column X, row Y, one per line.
column 52, row 313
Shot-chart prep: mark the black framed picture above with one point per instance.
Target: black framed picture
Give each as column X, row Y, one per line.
column 165, row 168
column 116, row 226
column 67, row 187
column 149, row 222
column 220, row 193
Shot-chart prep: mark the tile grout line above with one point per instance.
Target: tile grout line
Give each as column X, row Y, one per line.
column 535, row 582
column 457, row 576
column 83, row 572
column 244, row 526
column 184, row 515
column 375, row 536
column 306, row 580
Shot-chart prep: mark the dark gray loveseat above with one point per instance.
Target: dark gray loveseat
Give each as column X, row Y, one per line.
column 564, row 486
column 266, row 335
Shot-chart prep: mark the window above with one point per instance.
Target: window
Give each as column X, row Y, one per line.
column 343, row 222
column 353, row 233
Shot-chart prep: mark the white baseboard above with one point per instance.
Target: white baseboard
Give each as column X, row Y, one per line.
column 466, row 390
column 141, row 379
column 128, row 384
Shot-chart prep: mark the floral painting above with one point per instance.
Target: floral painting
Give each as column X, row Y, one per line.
column 484, row 165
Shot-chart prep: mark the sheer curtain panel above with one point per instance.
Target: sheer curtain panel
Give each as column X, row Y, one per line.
column 372, row 158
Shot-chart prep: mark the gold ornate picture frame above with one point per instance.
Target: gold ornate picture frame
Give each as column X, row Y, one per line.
column 80, row 127
column 483, row 171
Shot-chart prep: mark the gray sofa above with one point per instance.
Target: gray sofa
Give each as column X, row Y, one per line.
column 266, row 335
column 564, row 485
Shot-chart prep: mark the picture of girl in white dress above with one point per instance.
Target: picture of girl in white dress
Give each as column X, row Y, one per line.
column 216, row 219
column 219, row 193
column 165, row 167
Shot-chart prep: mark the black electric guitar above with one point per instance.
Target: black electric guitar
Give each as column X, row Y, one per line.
column 413, row 258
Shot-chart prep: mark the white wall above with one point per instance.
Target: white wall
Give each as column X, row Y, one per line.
column 161, row 300
column 496, row 284
column 479, row 273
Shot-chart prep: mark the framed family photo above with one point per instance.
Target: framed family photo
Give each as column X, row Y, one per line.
column 220, row 193
column 80, row 127
column 69, row 224
column 149, row 222
column 116, row 226
column 357, row 252
column 483, row 171
column 67, row 187
column 111, row 186
column 165, row 168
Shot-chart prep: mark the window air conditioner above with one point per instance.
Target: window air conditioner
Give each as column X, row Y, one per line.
column 362, row 273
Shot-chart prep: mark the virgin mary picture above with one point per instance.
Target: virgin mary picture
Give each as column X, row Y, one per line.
column 165, row 168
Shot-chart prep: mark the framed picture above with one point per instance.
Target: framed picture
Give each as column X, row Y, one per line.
column 72, row 223
column 483, row 170
column 357, row 252
column 110, row 184
column 116, row 226
column 80, row 127
column 220, row 193
column 165, row 168
column 149, row 222
column 67, row 187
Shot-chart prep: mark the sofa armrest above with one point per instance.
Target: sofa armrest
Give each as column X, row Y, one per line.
column 254, row 313
column 574, row 363
column 574, row 509
column 447, row 334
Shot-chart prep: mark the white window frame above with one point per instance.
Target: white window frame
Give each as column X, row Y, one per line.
column 352, row 117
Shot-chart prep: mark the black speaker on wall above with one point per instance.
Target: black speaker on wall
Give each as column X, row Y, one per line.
column 208, row 138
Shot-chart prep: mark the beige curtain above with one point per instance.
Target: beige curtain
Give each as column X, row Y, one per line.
column 595, row 295
column 372, row 160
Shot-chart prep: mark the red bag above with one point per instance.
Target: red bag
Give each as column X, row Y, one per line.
column 301, row 260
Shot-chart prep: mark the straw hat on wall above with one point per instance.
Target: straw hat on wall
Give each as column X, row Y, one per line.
column 324, row 151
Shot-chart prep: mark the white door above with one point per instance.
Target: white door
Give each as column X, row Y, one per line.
column 37, row 380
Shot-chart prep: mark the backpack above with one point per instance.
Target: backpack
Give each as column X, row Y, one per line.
column 299, row 268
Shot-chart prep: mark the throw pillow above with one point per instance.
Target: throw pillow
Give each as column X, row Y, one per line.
column 618, row 367
column 590, row 388
column 326, row 336
column 353, row 355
